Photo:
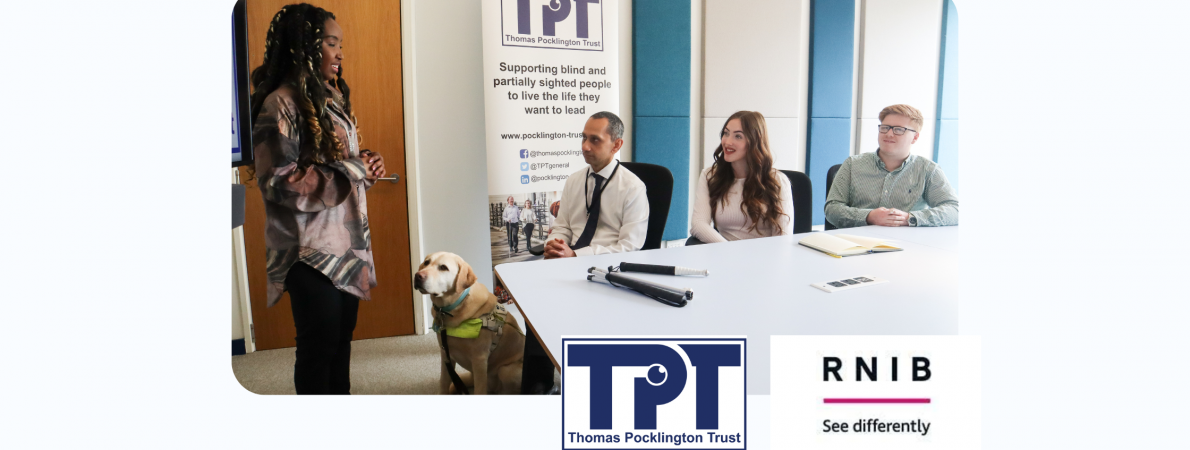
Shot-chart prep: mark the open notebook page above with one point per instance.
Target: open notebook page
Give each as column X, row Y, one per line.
column 831, row 244
column 867, row 242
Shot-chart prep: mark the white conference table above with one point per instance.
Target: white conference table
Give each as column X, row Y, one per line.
column 946, row 238
column 757, row 288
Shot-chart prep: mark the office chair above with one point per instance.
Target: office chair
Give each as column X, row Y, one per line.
column 830, row 179
column 659, row 188
column 803, row 200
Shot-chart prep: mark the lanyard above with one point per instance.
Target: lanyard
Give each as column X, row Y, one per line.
column 601, row 188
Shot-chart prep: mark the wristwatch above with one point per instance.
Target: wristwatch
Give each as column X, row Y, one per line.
column 912, row 220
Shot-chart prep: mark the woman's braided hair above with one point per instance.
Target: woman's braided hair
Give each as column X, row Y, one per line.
column 292, row 56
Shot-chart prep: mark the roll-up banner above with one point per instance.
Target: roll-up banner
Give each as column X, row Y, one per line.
column 547, row 65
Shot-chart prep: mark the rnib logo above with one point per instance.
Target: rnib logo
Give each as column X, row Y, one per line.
column 524, row 179
column 524, row 167
column 653, row 393
column 831, row 365
column 524, row 153
column 561, row 24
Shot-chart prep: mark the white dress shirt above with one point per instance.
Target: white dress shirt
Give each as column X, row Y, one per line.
column 512, row 214
column 623, row 213
column 733, row 224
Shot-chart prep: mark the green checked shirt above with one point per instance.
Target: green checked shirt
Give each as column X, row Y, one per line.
column 863, row 183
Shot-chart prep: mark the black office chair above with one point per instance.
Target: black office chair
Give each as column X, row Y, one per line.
column 803, row 198
column 830, row 179
column 659, row 188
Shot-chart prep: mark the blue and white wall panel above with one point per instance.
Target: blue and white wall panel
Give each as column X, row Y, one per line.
column 755, row 59
column 900, row 44
column 831, row 104
column 946, row 144
column 661, row 49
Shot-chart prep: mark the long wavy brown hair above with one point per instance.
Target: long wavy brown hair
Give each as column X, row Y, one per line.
column 292, row 55
column 761, row 199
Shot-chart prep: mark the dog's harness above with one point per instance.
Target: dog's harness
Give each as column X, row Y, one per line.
column 468, row 329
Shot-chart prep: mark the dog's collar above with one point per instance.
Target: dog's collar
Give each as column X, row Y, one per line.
column 456, row 304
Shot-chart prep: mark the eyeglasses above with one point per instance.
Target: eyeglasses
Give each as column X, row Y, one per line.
column 896, row 130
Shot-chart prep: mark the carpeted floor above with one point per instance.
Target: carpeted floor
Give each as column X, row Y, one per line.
column 395, row 365
column 401, row 365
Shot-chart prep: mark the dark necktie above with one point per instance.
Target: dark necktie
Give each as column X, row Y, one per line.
column 592, row 216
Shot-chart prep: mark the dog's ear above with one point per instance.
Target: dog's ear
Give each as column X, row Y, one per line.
column 466, row 276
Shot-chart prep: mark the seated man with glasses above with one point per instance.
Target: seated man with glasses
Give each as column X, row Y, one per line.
column 891, row 187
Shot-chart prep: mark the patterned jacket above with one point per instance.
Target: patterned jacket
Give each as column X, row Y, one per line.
column 317, row 215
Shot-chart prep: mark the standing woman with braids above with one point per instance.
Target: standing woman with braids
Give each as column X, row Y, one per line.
column 741, row 194
column 313, row 177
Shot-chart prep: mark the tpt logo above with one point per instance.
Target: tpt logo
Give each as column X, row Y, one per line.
column 560, row 24
column 524, row 179
column 653, row 392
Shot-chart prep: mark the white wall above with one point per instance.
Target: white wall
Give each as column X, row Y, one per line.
column 900, row 40
column 755, row 59
column 448, row 138
column 240, row 317
column 697, row 141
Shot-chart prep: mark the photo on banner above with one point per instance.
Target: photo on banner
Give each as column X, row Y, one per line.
column 520, row 222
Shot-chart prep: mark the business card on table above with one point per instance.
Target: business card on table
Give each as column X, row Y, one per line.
column 848, row 283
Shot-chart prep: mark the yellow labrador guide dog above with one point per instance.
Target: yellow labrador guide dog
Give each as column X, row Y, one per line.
column 480, row 334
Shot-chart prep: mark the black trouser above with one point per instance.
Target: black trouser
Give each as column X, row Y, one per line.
column 528, row 235
column 514, row 231
column 325, row 318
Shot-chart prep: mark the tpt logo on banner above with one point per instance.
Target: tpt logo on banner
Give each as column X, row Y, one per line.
column 560, row 24
column 625, row 392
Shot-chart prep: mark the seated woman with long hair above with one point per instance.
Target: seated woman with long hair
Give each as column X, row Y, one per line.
column 741, row 196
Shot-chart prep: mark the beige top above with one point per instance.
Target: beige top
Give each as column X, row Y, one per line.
column 729, row 218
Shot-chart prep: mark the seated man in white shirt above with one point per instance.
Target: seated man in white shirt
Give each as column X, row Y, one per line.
column 604, row 208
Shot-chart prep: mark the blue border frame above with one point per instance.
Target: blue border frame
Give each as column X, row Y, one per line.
column 563, row 377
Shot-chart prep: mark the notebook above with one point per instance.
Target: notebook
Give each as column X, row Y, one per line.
column 840, row 245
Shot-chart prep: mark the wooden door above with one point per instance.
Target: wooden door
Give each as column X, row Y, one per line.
column 372, row 68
